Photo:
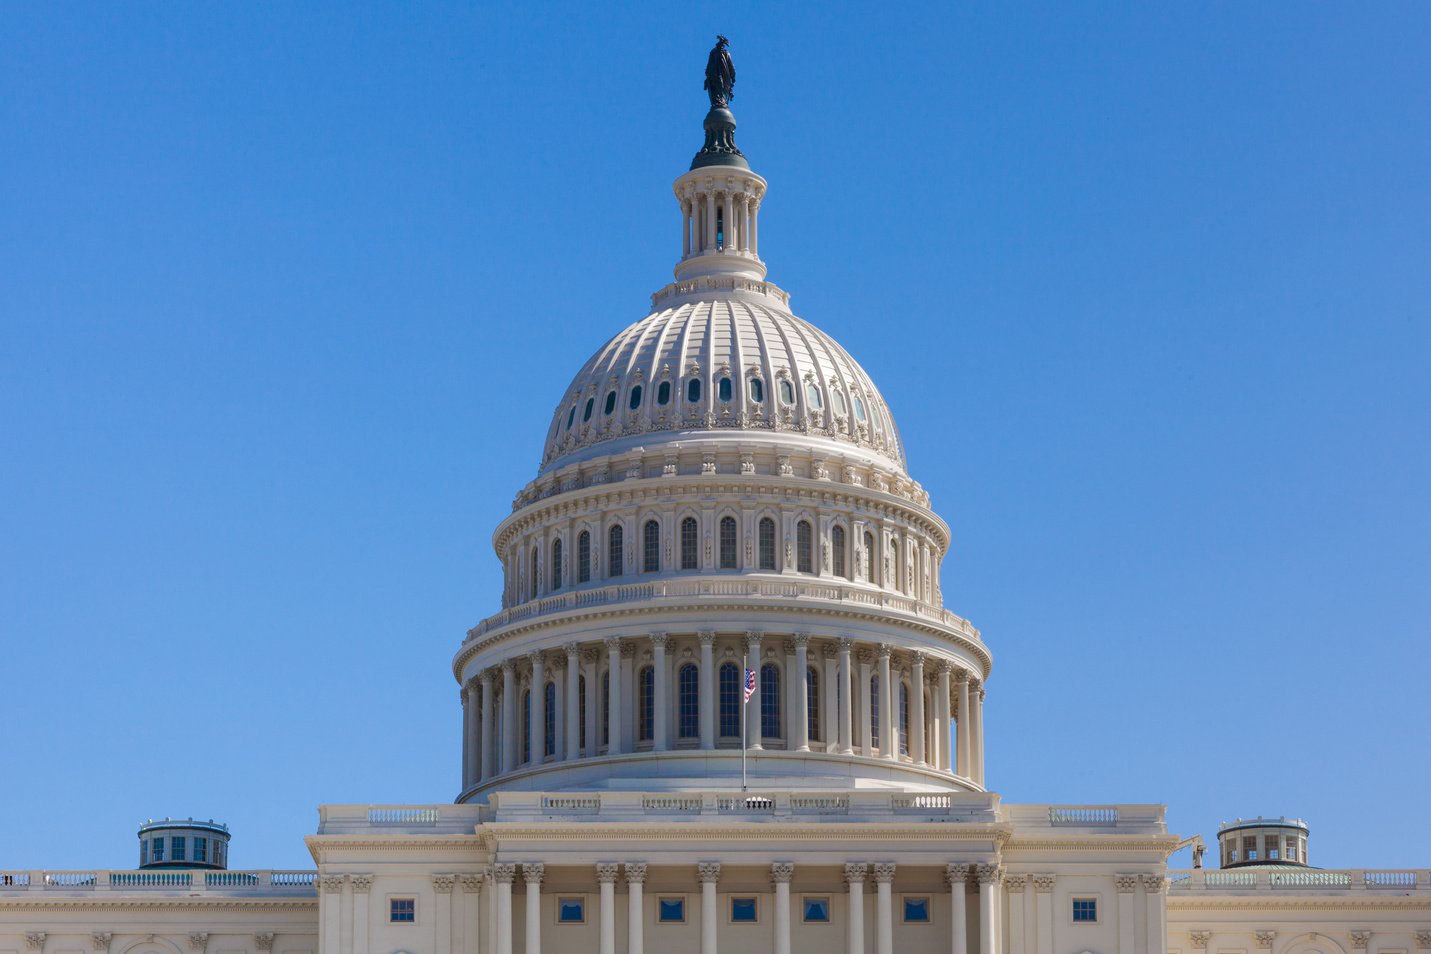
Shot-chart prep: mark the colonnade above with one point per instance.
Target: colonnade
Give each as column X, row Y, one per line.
column 724, row 219
column 663, row 692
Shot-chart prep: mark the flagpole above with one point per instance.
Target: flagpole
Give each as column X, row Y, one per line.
column 745, row 704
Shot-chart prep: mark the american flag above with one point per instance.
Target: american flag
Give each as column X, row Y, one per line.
column 749, row 684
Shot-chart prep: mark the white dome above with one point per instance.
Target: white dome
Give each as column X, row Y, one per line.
column 724, row 367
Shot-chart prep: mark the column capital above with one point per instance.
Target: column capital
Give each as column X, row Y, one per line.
column 956, row 874
column 532, row 872
column 916, row 658
column 442, row 883
column 572, row 649
column 846, row 644
column 707, row 637
column 884, row 651
column 508, row 666
column 658, row 640
column 1015, row 883
column 1360, row 939
column 361, row 883
column 1198, row 939
column 753, row 638
column 855, row 873
column 989, row 874
column 1043, row 883
column 263, row 940
column 961, row 676
column 1127, row 883
column 801, row 639
column 606, row 872
column 472, row 881
column 488, row 676
column 1265, row 939
column 35, row 940
column 944, row 667
column 708, row 872
column 100, row 939
column 635, row 873
column 788, row 646
column 1155, row 884
column 504, row 873
column 613, row 644
column 332, row 884
column 536, row 657
column 1423, row 939
column 781, row 872
column 884, row 873
column 198, row 940
column 589, row 656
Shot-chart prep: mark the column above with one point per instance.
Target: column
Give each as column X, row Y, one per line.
column 729, row 200
column 830, row 698
column 613, row 716
column 866, row 658
column 1014, row 885
column 661, row 724
column 942, row 714
column 884, row 910
column 989, row 876
column 707, row 697
column 1154, row 886
column 855, row 928
column 685, row 227
column 800, row 720
column 469, row 757
column 593, row 702
column 509, row 716
column 888, row 735
column 780, row 875
column 958, row 878
column 710, row 220
column 754, row 220
column 709, row 873
column 752, row 708
column 536, row 713
column 504, row 875
column 606, row 925
column 532, row 875
column 442, row 894
column 917, row 754
column 843, row 722
column 635, row 910
column 471, row 919
column 961, row 755
column 559, row 673
column 976, row 731
column 630, row 691
column 1043, row 899
column 573, row 701
column 489, row 735
column 330, row 913
column 1127, row 912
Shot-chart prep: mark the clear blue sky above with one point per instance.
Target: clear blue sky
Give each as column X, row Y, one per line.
column 288, row 293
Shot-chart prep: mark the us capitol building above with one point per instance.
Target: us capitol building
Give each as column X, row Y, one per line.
column 723, row 490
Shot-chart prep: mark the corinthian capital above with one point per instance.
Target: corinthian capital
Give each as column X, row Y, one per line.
column 989, row 874
column 442, row 883
column 782, row 872
column 1155, row 884
column 606, row 872
column 883, row 873
column 956, row 874
column 504, row 873
column 532, row 872
column 636, row 873
column 856, row 873
column 708, row 872
column 1043, row 883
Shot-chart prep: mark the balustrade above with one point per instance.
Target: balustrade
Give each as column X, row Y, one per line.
column 187, row 882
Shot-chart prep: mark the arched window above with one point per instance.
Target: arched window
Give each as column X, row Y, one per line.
column 767, row 543
column 693, row 390
column 729, row 700
column 690, row 544
column 606, row 708
column 838, row 400
column 787, row 392
column 723, row 388
column 859, row 410
column 874, row 711
column 571, row 418
column 869, row 557
column 536, row 567
column 689, row 710
column 635, row 401
column 583, row 557
column 610, row 403
column 804, row 561
column 549, row 728
column 614, row 546
column 556, row 564
column 663, row 393
column 839, row 566
column 586, row 414
column 813, row 393
column 770, row 701
column 527, row 725
column 903, row 718
column 727, row 543
column 812, row 703
column 651, row 544
column 757, row 390
column 581, row 708
column 646, row 704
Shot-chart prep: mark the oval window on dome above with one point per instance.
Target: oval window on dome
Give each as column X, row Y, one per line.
column 723, row 388
column 757, row 390
column 635, row 397
column 693, row 390
column 586, row 414
column 813, row 393
column 663, row 393
column 859, row 409
column 610, row 402
column 571, row 418
column 787, row 392
column 838, row 399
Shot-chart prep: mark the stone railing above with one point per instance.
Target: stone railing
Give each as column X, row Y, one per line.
column 1231, row 881
column 1144, row 818
column 733, row 587
column 193, row 882
column 758, row 804
column 399, row 819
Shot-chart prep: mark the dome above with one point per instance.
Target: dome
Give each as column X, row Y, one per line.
column 727, row 366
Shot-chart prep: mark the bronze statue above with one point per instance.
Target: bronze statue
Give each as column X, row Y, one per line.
column 720, row 75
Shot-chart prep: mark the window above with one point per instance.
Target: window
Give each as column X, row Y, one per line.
column 804, row 561
column 571, row 910
column 859, row 410
column 549, row 708
column 586, row 414
column 690, row 544
column 813, row 393
column 689, row 708
column 727, row 543
column 651, row 544
column 1085, row 910
column 663, row 393
column 787, row 392
column 816, row 911
column 571, row 418
column 143, row 852
column 838, row 400
column 767, row 543
column 757, row 390
column 812, row 704
column 402, row 910
column 693, row 391
column 526, row 726
column 534, row 573
column 903, row 719
column 729, row 700
column 635, row 401
column 556, row 563
column 770, row 701
column 874, row 711
column 581, row 708
column 720, row 227
column 646, row 705
column 744, row 910
column 837, row 551
column 869, row 556
column 176, row 848
column 614, row 545
column 605, row 709
column 201, row 849
column 916, row 910
column 1291, row 851
column 723, row 388
column 610, row 402
column 1249, row 847
column 158, row 850
column 671, row 910
column 583, row 557
column 1273, row 853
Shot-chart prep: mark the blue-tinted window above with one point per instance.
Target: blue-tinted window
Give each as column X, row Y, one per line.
column 663, row 393
column 651, row 545
column 549, row 734
column 526, row 726
column 571, row 910
column 143, row 852
column 814, row 394
column 729, row 700
column 817, row 910
column 201, row 849
column 839, row 402
column 723, row 389
column 916, row 910
column 859, row 410
column 635, row 397
column 757, row 390
column 176, row 849
column 804, row 548
column 671, row 910
column 614, row 557
column 787, row 392
column 158, row 849
column 744, row 910
column 770, row 702
column 1085, row 910
column 767, row 543
column 689, row 705
column 583, row 557
column 402, row 910
column 646, row 727
column 693, row 390
column 690, row 544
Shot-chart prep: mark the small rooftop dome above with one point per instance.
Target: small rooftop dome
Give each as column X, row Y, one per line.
column 1270, row 842
column 183, row 843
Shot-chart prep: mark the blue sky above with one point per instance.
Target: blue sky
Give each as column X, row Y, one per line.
column 289, row 293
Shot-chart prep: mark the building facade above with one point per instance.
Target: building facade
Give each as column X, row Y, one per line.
column 722, row 707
